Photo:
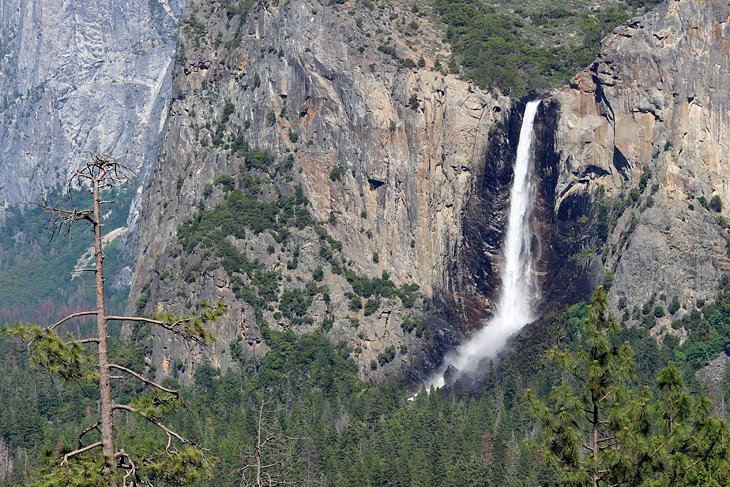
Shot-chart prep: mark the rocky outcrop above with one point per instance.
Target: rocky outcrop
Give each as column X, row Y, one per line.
column 387, row 153
column 78, row 78
column 649, row 122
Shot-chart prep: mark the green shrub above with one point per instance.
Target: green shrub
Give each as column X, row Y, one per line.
column 608, row 280
column 644, row 180
column 237, row 7
column 648, row 321
column 388, row 49
column 228, row 110
column 647, row 307
column 287, row 165
column 413, row 102
column 355, row 301
column 411, row 323
column 294, row 305
column 716, row 203
column 371, row 306
column 634, row 194
column 408, row 63
column 387, row 355
column 674, row 306
column 337, row 173
column 228, row 183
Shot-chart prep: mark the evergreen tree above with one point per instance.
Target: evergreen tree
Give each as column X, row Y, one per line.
column 71, row 359
column 598, row 429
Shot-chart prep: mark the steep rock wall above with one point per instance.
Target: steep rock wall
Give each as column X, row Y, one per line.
column 387, row 154
column 649, row 123
column 78, row 78
column 408, row 168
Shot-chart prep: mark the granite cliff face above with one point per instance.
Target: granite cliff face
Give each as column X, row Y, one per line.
column 78, row 78
column 645, row 132
column 405, row 170
column 387, row 154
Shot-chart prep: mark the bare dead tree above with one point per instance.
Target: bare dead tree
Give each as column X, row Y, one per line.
column 66, row 356
column 268, row 460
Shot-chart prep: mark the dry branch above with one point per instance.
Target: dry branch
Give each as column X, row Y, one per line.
column 170, row 433
column 91, row 428
column 80, row 451
column 170, row 326
column 71, row 316
column 143, row 379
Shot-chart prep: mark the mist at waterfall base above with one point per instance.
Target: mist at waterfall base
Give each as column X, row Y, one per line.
column 520, row 290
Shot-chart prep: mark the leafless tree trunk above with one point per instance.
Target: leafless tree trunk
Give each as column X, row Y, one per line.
column 269, row 458
column 107, row 436
column 102, row 172
column 99, row 172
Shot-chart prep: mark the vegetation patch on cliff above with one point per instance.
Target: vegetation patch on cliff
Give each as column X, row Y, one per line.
column 217, row 237
column 522, row 47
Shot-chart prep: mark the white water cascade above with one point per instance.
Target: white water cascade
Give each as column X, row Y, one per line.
column 520, row 290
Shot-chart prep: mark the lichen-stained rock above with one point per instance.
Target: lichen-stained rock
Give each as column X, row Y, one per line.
column 655, row 103
column 78, row 78
column 386, row 151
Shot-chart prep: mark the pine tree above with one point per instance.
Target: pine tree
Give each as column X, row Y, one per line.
column 688, row 445
column 73, row 359
column 599, row 429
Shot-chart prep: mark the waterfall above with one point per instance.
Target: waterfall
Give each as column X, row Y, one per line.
column 520, row 289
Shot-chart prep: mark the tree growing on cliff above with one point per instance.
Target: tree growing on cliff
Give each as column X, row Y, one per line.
column 599, row 429
column 98, row 458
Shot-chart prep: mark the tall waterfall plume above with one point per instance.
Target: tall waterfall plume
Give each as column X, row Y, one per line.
column 520, row 290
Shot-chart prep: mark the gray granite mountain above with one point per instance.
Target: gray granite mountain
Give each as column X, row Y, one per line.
column 648, row 125
column 76, row 78
column 407, row 168
column 386, row 152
